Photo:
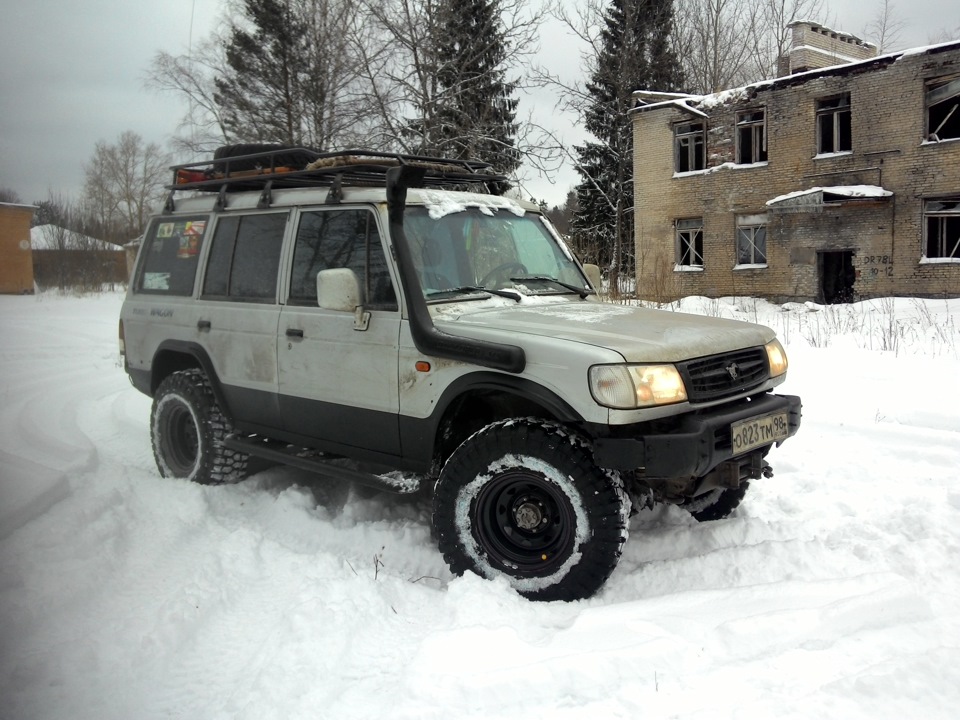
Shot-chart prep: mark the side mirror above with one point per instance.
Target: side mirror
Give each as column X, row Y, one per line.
column 593, row 275
column 339, row 289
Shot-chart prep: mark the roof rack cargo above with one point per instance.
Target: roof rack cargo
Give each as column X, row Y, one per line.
column 298, row 167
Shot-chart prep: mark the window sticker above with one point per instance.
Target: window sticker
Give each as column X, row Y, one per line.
column 165, row 230
column 189, row 246
column 156, row 281
column 189, row 233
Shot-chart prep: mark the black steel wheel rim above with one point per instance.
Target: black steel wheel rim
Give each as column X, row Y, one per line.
column 524, row 523
column 181, row 439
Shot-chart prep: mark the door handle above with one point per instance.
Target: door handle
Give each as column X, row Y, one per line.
column 203, row 325
column 294, row 333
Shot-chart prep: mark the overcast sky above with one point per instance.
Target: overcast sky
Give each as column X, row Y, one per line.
column 71, row 74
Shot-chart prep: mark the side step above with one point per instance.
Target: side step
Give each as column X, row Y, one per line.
column 313, row 461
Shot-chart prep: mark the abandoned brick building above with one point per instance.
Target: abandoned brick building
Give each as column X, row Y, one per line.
column 833, row 184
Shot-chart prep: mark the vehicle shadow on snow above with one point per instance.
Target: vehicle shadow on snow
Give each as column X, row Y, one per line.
column 336, row 494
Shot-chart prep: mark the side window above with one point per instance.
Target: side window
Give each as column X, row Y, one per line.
column 834, row 132
column 751, row 240
column 328, row 239
column 690, row 242
column 690, row 142
column 941, row 220
column 170, row 256
column 943, row 109
column 751, row 137
column 245, row 257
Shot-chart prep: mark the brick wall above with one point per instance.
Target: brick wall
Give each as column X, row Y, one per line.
column 16, row 264
column 888, row 150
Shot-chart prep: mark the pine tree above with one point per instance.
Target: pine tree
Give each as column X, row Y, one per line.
column 289, row 74
column 635, row 54
column 260, row 98
column 475, row 106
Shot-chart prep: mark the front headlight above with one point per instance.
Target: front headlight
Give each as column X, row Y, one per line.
column 776, row 357
column 626, row 387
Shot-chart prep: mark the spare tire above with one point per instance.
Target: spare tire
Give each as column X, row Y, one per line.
column 267, row 155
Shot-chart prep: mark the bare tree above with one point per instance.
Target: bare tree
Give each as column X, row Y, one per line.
column 944, row 35
column 886, row 28
column 715, row 42
column 124, row 182
column 191, row 77
column 771, row 32
column 400, row 45
column 8, row 195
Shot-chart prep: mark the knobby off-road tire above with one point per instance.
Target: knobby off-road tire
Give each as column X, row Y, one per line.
column 716, row 504
column 523, row 499
column 187, row 429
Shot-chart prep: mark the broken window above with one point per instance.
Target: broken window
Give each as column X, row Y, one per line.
column 834, row 133
column 690, row 242
column 751, row 239
column 941, row 222
column 751, row 137
column 690, row 146
column 943, row 109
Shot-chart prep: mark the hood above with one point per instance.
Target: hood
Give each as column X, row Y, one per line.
column 639, row 334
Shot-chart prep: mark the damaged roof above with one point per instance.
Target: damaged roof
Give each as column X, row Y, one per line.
column 698, row 104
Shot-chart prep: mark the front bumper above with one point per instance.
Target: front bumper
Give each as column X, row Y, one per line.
column 692, row 445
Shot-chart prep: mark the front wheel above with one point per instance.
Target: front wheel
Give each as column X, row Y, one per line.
column 187, row 429
column 523, row 499
column 716, row 504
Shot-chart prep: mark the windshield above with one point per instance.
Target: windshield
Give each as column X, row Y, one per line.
column 465, row 252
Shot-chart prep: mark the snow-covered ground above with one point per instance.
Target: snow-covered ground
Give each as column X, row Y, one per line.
column 833, row 593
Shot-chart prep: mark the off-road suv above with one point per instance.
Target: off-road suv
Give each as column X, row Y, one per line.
column 309, row 308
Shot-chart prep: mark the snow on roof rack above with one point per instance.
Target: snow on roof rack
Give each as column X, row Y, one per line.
column 298, row 167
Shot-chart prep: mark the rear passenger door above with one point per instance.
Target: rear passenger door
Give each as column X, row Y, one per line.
column 339, row 383
column 239, row 312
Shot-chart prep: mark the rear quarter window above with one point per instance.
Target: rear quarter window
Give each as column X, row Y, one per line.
column 170, row 255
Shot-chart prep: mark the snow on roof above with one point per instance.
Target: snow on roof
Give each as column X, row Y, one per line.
column 440, row 203
column 25, row 206
column 706, row 102
column 847, row 191
column 53, row 237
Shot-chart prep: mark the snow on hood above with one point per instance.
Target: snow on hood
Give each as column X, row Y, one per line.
column 638, row 334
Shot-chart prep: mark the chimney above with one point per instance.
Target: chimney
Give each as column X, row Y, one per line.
column 814, row 46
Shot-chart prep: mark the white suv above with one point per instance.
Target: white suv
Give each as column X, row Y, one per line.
column 306, row 308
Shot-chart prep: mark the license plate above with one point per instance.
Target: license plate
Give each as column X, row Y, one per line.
column 757, row 432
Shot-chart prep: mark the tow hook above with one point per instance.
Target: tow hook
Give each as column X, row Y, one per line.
column 733, row 472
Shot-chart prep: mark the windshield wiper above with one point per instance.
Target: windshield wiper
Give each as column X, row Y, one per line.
column 513, row 295
column 582, row 292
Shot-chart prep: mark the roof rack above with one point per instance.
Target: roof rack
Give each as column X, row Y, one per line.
column 298, row 167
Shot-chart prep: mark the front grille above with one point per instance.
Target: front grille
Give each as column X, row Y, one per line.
column 719, row 376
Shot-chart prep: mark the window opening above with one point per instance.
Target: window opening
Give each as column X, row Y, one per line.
column 690, row 147
column 834, row 131
column 690, row 242
column 245, row 257
column 752, row 240
column 751, row 137
column 942, row 228
column 943, row 109
column 171, row 254
column 328, row 239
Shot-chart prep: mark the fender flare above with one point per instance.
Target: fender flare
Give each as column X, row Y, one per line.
column 201, row 358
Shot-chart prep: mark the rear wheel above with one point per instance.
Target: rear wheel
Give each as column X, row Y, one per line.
column 187, row 430
column 523, row 499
